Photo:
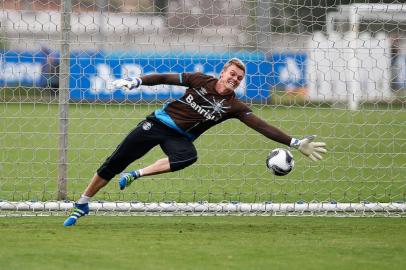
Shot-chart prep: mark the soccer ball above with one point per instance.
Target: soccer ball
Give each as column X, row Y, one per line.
column 280, row 162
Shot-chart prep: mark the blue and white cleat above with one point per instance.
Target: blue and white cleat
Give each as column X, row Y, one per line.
column 78, row 211
column 127, row 178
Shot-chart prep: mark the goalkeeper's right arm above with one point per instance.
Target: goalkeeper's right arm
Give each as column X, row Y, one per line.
column 150, row 80
column 306, row 146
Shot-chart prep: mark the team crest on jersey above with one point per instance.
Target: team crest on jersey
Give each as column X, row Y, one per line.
column 146, row 125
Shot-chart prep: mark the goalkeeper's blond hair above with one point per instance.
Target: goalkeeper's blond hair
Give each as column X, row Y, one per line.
column 235, row 61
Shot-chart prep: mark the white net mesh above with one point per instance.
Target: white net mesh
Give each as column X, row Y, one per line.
column 331, row 69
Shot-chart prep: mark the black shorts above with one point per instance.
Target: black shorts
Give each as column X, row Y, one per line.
column 148, row 134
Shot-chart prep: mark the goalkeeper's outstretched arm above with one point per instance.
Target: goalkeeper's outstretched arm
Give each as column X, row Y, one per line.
column 155, row 79
column 271, row 132
column 149, row 80
column 306, row 146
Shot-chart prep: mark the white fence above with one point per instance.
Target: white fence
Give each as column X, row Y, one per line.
column 344, row 68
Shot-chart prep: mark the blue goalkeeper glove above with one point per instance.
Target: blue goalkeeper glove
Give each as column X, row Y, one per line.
column 310, row 149
column 128, row 83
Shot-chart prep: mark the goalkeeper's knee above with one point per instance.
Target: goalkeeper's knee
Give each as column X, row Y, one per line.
column 179, row 164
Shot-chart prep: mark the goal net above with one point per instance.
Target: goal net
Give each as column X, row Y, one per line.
column 338, row 71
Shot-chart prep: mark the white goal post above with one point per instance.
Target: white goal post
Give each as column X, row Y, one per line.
column 205, row 208
column 61, row 116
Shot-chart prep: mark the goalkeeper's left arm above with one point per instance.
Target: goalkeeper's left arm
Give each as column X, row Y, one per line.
column 152, row 79
column 306, row 146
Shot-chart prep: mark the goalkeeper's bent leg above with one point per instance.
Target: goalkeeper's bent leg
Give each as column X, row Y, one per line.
column 159, row 166
column 127, row 178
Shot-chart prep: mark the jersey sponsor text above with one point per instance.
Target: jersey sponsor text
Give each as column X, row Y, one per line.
column 207, row 114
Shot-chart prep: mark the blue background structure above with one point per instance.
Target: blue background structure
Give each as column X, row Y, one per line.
column 93, row 72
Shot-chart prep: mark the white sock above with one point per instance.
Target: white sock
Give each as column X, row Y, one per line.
column 84, row 199
column 140, row 172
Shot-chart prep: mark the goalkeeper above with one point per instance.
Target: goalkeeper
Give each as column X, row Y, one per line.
column 208, row 101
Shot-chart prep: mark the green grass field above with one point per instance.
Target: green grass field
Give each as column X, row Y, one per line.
column 41, row 243
column 366, row 159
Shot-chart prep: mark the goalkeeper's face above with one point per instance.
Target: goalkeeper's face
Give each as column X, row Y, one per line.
column 230, row 79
